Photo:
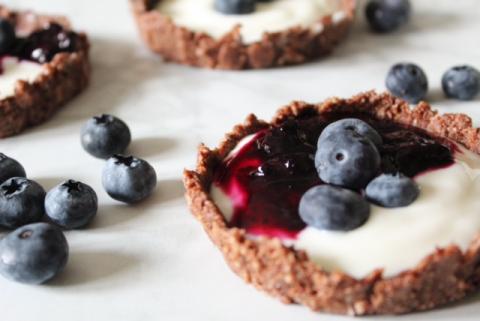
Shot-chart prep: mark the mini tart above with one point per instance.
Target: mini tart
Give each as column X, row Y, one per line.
column 446, row 275
column 62, row 78
column 289, row 47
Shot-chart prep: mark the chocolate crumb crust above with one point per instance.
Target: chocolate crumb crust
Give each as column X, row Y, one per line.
column 293, row 46
column 65, row 76
column 446, row 275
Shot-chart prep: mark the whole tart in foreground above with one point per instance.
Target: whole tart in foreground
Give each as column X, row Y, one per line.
column 277, row 33
column 45, row 66
column 246, row 195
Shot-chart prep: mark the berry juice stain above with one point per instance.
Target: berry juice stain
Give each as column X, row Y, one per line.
column 266, row 178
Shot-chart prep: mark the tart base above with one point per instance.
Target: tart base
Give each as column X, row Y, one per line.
column 62, row 79
column 293, row 46
column 444, row 276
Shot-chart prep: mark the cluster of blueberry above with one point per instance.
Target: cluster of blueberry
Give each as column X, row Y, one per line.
column 40, row 46
column 237, row 6
column 36, row 252
column 127, row 179
column 408, row 81
column 348, row 159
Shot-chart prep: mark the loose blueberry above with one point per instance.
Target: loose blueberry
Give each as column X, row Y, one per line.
column 7, row 36
column 461, row 82
column 128, row 179
column 387, row 15
column 104, row 136
column 355, row 125
column 392, row 190
column 33, row 253
column 347, row 159
column 407, row 81
column 10, row 168
column 21, row 202
column 235, row 6
column 332, row 208
column 71, row 204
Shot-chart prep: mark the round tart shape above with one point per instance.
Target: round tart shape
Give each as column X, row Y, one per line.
column 447, row 274
column 232, row 50
column 59, row 79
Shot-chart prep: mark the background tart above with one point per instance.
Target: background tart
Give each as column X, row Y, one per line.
column 61, row 78
column 291, row 46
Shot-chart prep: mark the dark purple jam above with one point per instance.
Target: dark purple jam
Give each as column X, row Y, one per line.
column 267, row 177
column 42, row 45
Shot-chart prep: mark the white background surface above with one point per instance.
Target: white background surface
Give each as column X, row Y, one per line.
column 153, row 261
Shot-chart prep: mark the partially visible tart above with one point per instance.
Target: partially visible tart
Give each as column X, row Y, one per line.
column 45, row 67
column 246, row 195
column 276, row 33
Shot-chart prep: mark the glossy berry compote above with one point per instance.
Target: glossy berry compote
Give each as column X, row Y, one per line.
column 40, row 46
column 267, row 176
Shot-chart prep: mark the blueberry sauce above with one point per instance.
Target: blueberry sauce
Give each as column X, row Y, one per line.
column 42, row 45
column 267, row 177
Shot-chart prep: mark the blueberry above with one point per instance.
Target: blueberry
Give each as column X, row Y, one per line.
column 332, row 208
column 128, row 179
column 33, row 253
column 41, row 55
column 21, row 202
column 10, row 168
column 7, row 36
column 387, row 15
column 105, row 135
column 356, row 125
column 392, row 190
column 347, row 159
column 235, row 6
column 461, row 82
column 71, row 204
column 407, row 81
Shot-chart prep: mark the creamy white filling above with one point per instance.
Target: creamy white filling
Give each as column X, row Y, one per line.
column 14, row 70
column 447, row 212
column 278, row 15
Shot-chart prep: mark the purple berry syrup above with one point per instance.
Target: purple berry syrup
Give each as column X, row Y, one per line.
column 267, row 177
column 42, row 45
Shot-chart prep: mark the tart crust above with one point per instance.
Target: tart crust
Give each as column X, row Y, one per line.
column 446, row 275
column 65, row 76
column 292, row 46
